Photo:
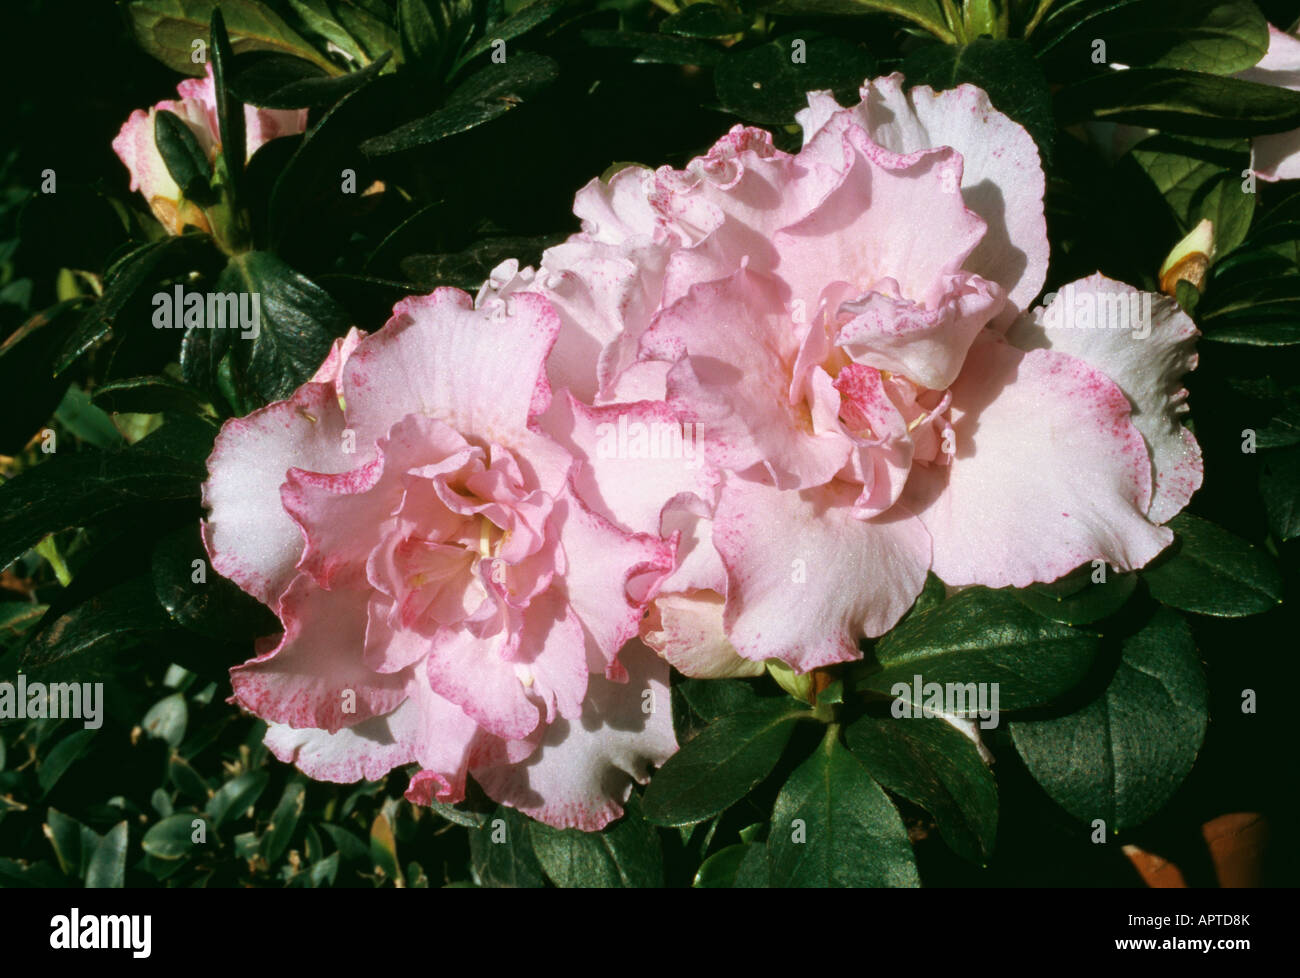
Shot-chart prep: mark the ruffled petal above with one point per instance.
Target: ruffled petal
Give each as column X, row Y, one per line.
column 425, row 728
column 893, row 216
column 1144, row 343
column 1049, row 473
column 250, row 537
column 611, row 575
column 687, row 629
column 315, row 676
column 925, row 345
column 583, row 771
column 806, row 580
column 633, row 458
column 1002, row 176
column 734, row 350
column 479, row 370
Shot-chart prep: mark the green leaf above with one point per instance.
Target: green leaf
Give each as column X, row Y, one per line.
column 1075, row 603
column 1213, row 572
column 171, row 838
column 1218, row 36
column 118, row 618
column 705, row 20
column 316, row 18
column 519, row 23
column 488, row 93
column 167, row 719
column 167, row 29
column 188, row 781
column 1279, row 487
column 230, row 113
column 184, row 158
column 299, row 321
column 1259, row 312
column 1200, row 179
column 755, row 869
column 236, row 796
column 834, row 826
column 721, row 764
column 624, row 854
column 1005, row 69
column 983, row 636
column 713, row 698
column 720, row 869
column 348, row 846
column 80, row 416
column 284, row 821
column 107, row 866
column 211, row 606
column 1180, row 101
column 326, row 871
column 501, row 852
column 933, row 764
column 281, row 81
column 1122, row 756
column 370, row 24
column 129, row 286
column 148, row 395
column 64, row 754
column 764, row 84
column 656, row 49
column 64, row 833
column 78, row 489
column 422, row 39
column 927, row 14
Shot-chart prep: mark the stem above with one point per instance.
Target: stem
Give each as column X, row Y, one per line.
column 956, row 23
column 1043, row 7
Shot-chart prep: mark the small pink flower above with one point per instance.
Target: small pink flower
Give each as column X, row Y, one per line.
column 197, row 107
column 1277, row 156
column 848, row 328
column 449, row 595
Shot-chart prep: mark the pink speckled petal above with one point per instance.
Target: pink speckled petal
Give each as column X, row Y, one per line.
column 893, row 216
column 734, row 350
column 687, row 629
column 806, row 580
column 1144, row 343
column 249, row 536
column 1049, row 473
column 479, row 370
column 315, row 676
column 1002, row 176
column 583, row 772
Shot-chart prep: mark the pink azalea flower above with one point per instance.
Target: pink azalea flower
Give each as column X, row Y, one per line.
column 197, row 107
column 849, row 328
column 1277, row 156
column 450, row 596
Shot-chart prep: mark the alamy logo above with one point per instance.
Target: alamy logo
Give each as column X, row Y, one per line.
column 1074, row 308
column 53, row 701
column 102, row 932
column 179, row 309
column 658, row 439
column 917, row 699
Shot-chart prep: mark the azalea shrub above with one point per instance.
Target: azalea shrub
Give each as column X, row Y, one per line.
column 592, row 443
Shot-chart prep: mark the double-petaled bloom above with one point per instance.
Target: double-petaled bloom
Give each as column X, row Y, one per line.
column 847, row 329
column 449, row 595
